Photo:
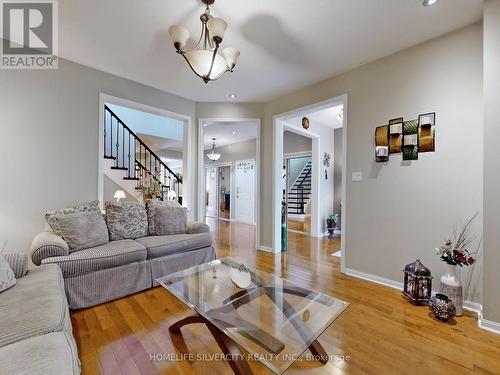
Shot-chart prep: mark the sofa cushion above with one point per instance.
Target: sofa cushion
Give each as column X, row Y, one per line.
column 126, row 220
column 171, row 220
column 50, row 354
column 36, row 305
column 18, row 262
column 81, row 230
column 87, row 207
column 7, row 279
column 158, row 246
column 151, row 207
column 112, row 254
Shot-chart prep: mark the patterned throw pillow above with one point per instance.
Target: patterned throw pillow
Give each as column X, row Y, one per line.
column 171, row 220
column 7, row 279
column 126, row 220
column 87, row 207
column 81, row 230
column 151, row 207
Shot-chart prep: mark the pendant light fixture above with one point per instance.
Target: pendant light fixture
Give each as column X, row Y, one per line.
column 213, row 156
column 429, row 3
column 204, row 59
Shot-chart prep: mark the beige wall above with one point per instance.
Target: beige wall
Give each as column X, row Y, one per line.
column 49, row 130
column 491, row 275
column 109, row 189
column 402, row 210
column 293, row 143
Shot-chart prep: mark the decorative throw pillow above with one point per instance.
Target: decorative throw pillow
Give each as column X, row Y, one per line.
column 87, row 207
column 126, row 220
column 171, row 220
column 7, row 279
column 151, row 207
column 81, row 230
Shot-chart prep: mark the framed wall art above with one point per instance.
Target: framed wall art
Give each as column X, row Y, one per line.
column 410, row 140
column 427, row 132
column 395, row 135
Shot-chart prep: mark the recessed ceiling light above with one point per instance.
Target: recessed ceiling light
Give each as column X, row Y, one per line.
column 234, row 133
column 233, row 96
column 428, row 3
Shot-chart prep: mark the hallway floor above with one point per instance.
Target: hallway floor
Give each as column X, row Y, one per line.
column 380, row 331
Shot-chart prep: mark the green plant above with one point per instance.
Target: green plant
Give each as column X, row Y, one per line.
column 333, row 217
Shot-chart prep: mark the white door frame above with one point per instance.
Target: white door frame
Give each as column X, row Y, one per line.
column 201, row 169
column 188, row 162
column 231, row 177
column 278, row 126
column 254, row 193
column 316, row 230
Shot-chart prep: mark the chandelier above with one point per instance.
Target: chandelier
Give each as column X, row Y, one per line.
column 213, row 156
column 204, row 59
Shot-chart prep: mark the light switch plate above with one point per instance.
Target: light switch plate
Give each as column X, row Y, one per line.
column 357, row 176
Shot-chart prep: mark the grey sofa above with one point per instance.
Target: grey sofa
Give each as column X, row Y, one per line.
column 120, row 268
column 35, row 328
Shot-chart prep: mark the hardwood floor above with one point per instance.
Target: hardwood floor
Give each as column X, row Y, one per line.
column 380, row 332
column 301, row 226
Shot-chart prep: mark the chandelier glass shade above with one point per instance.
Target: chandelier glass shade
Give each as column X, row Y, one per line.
column 213, row 156
column 204, row 59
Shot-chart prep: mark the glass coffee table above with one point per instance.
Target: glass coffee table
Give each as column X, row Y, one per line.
column 273, row 319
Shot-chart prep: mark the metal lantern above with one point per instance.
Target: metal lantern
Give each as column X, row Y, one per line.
column 417, row 283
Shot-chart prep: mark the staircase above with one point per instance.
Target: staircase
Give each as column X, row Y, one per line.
column 128, row 154
column 300, row 192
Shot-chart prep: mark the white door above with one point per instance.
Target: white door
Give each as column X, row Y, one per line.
column 211, row 191
column 245, row 191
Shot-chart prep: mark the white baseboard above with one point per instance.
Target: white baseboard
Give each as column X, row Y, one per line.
column 374, row 279
column 467, row 305
column 265, row 248
column 474, row 307
column 489, row 325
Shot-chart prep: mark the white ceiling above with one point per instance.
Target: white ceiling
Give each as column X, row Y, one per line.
column 328, row 117
column 160, row 143
column 228, row 133
column 285, row 44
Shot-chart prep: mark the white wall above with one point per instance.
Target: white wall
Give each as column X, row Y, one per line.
column 49, row 130
column 491, row 299
column 403, row 210
column 337, row 169
column 295, row 167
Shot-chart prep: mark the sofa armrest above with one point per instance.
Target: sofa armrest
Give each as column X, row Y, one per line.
column 198, row 227
column 47, row 245
column 18, row 262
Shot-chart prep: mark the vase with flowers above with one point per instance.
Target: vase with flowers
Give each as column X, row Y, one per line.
column 151, row 189
column 456, row 254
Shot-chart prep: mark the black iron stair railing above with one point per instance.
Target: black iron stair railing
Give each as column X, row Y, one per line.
column 132, row 155
column 299, row 196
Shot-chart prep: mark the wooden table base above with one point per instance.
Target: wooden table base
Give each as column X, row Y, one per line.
column 231, row 350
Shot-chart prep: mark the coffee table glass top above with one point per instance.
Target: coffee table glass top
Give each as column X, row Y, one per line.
column 273, row 319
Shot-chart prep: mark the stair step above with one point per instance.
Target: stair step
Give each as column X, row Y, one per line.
column 120, row 168
column 109, row 157
column 131, row 178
